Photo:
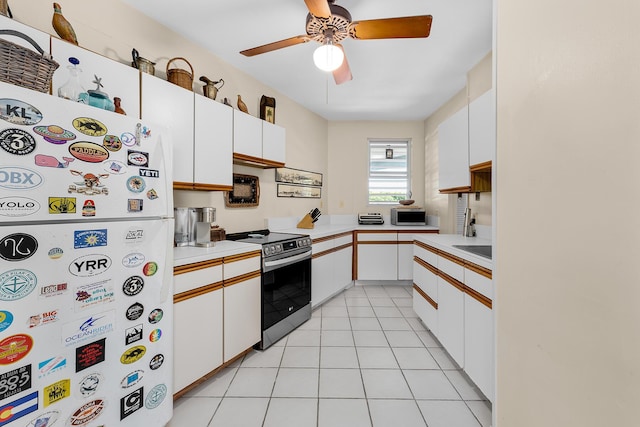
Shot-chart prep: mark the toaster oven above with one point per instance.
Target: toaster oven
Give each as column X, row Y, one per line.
column 408, row 216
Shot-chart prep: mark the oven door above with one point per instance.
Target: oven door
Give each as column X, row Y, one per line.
column 286, row 287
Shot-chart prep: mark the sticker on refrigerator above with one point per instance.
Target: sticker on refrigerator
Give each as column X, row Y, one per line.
column 133, row 354
column 51, row 366
column 89, row 238
column 18, row 247
column 12, row 411
column 134, row 205
column 62, row 205
column 136, row 184
column 131, row 403
column 137, row 158
column 134, row 235
column 90, row 127
column 128, row 139
column 132, row 334
column 55, row 253
column 155, row 316
column 115, row 167
column 46, row 161
column 155, row 335
column 19, row 112
column 54, row 134
column 94, row 294
column 89, row 208
column 55, row 392
column 17, row 141
column 134, row 311
column 89, row 186
column 133, row 259
column 17, row 206
column 152, row 194
column 156, row 396
column 90, row 265
column 132, row 379
column 18, row 178
column 90, row 384
column 89, row 152
column 87, row 328
column 112, row 143
column 149, row 173
column 14, row 348
column 156, row 361
column 16, row 284
column 133, row 286
column 53, row 290
column 15, row 381
column 87, row 413
column 6, row 319
column 44, row 318
column 45, row 420
column 150, row 268
column 90, row 354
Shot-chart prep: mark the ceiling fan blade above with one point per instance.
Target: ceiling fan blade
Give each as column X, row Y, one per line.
column 292, row 41
column 319, row 8
column 342, row 74
column 392, row 28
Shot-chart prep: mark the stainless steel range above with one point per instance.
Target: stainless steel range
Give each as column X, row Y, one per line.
column 286, row 281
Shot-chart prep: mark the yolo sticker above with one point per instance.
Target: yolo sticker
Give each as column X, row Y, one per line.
column 17, row 206
column 18, row 247
column 90, row 127
column 19, row 112
column 17, row 141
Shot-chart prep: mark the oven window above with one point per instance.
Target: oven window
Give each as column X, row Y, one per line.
column 285, row 290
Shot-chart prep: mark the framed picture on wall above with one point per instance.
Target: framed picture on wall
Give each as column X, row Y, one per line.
column 297, row 176
column 268, row 109
column 301, row 191
column 245, row 193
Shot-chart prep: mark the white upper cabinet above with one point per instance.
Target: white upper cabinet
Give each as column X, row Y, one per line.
column 118, row 80
column 213, row 150
column 453, row 151
column 247, row 135
column 173, row 107
column 273, row 142
column 482, row 129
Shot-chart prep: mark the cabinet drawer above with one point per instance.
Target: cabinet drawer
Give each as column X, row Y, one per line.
column 377, row 237
column 322, row 246
column 425, row 255
column 344, row 240
column 208, row 274
column 478, row 283
column 451, row 268
column 238, row 265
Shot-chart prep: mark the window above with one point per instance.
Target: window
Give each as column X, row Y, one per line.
column 389, row 171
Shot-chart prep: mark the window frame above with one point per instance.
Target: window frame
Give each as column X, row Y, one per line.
column 376, row 143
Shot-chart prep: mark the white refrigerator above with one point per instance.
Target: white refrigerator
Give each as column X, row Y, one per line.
column 86, row 261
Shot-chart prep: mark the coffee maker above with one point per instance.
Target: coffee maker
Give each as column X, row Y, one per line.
column 193, row 226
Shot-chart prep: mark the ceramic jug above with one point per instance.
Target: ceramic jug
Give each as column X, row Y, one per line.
column 210, row 89
column 142, row 64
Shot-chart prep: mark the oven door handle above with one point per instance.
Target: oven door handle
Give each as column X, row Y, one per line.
column 288, row 260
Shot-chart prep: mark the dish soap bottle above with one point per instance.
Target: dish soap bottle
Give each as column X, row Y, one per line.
column 72, row 89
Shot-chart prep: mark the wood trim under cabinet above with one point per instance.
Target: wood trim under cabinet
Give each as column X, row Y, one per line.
column 333, row 236
column 427, row 247
column 478, row 297
column 452, row 258
column 453, row 282
column 465, row 189
column 177, row 185
column 258, row 162
column 331, row 250
column 188, row 268
column 242, row 256
column 192, row 293
column 480, row 270
column 424, row 295
column 426, row 265
column 379, row 242
column 212, row 187
column 241, row 278
column 481, row 167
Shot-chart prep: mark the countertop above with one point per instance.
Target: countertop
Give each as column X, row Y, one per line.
column 329, row 229
column 190, row 254
column 445, row 242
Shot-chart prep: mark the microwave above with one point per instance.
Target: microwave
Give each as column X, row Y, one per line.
column 408, row 216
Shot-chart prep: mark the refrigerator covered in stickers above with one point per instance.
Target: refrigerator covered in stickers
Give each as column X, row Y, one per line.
column 85, row 265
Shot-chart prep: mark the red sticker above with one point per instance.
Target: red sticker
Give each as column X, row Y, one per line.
column 14, row 348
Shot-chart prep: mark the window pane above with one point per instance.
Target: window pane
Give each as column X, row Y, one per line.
column 388, row 177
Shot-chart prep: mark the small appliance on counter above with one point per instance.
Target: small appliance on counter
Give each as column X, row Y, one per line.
column 193, row 226
column 408, row 215
column 371, row 218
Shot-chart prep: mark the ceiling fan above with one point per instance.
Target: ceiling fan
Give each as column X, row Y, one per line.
column 329, row 24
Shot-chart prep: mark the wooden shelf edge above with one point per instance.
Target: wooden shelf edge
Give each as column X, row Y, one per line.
column 481, row 167
column 256, row 162
column 454, row 190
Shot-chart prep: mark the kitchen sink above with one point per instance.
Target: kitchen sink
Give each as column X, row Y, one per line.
column 482, row 250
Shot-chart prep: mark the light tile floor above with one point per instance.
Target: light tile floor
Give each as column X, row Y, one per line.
column 363, row 359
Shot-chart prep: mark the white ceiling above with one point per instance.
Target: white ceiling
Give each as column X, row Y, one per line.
column 398, row 79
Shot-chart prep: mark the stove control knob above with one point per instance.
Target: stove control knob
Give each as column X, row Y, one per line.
column 277, row 248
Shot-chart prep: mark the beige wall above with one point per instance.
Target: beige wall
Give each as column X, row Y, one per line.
column 567, row 277
column 348, row 162
column 113, row 29
column 478, row 82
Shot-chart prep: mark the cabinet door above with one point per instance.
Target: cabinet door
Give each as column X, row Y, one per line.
column 247, row 134
column 197, row 351
column 425, row 301
column 242, row 317
column 482, row 129
column 451, row 319
column 378, row 262
column 478, row 344
column 213, row 146
column 405, row 260
column 119, row 80
column 172, row 106
column 273, row 142
column 453, row 151
column 321, row 279
column 342, row 268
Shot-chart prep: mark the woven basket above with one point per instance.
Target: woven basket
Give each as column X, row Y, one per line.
column 23, row 67
column 180, row 77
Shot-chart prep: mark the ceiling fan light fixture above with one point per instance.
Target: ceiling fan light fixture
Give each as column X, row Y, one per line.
column 328, row 57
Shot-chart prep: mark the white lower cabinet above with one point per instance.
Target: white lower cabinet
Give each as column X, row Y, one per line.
column 377, row 255
column 478, row 344
column 405, row 259
column 451, row 319
column 331, row 266
column 197, row 346
column 425, row 294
